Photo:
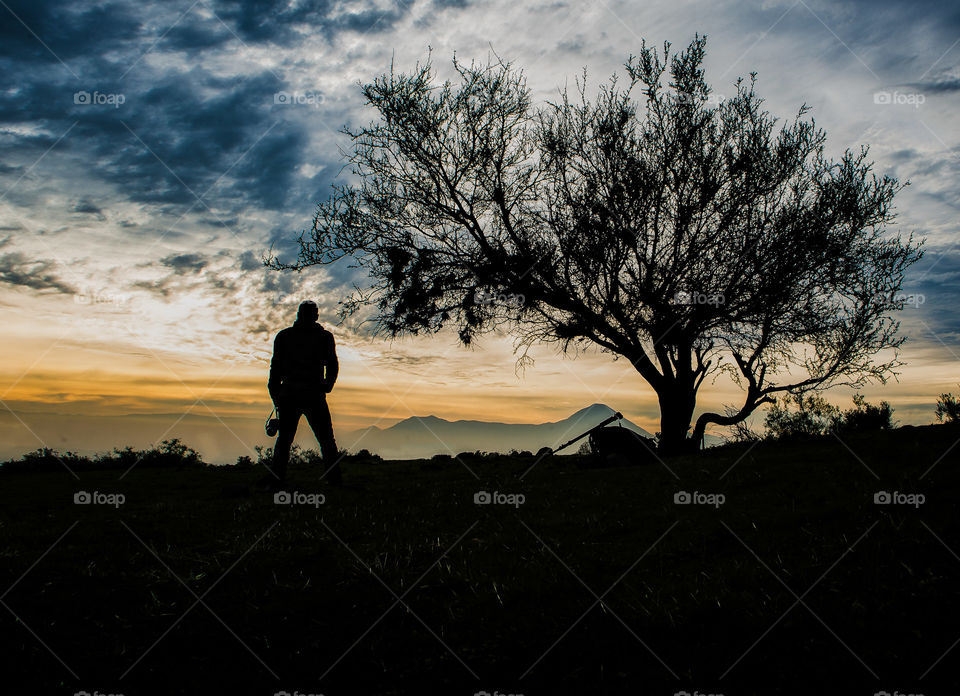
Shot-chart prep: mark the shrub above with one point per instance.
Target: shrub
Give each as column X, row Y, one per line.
column 742, row 432
column 171, row 453
column 948, row 408
column 168, row 453
column 46, row 459
column 864, row 416
column 363, row 456
column 813, row 416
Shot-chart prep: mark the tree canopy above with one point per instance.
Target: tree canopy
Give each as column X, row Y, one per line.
column 690, row 234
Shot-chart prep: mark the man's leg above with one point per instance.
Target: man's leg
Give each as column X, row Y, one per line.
column 318, row 416
column 289, row 413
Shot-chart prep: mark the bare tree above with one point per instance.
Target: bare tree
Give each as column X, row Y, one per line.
column 688, row 234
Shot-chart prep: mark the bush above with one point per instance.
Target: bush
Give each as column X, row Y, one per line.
column 864, row 416
column 813, row 416
column 364, row 456
column 47, row 459
column 948, row 409
column 741, row 432
column 169, row 453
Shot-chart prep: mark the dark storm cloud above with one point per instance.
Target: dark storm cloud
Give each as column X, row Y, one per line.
column 177, row 141
column 936, row 87
column 165, row 136
column 887, row 42
column 88, row 208
column 37, row 274
column 48, row 31
column 249, row 261
column 276, row 20
column 199, row 34
column 185, row 263
column 903, row 156
column 185, row 136
column 931, row 289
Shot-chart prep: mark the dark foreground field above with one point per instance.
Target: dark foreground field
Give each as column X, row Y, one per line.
column 400, row 584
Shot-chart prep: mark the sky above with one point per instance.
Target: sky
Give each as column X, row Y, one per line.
column 151, row 153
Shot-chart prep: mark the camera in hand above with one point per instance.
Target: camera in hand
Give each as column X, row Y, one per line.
column 272, row 426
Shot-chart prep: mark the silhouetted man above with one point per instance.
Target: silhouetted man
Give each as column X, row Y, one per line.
column 303, row 371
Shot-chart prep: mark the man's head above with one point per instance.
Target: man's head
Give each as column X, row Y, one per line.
column 308, row 311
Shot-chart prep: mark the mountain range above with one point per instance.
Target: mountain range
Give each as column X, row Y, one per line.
column 424, row 436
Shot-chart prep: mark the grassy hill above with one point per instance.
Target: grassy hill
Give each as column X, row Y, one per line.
column 598, row 582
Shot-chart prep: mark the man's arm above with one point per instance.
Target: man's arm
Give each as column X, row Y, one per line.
column 332, row 365
column 276, row 375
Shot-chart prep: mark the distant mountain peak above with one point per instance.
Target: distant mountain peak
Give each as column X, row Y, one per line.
column 419, row 420
column 591, row 412
column 598, row 407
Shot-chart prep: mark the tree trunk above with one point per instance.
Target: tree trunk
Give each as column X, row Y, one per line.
column 753, row 401
column 677, row 403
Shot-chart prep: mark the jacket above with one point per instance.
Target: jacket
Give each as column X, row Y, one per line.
column 304, row 361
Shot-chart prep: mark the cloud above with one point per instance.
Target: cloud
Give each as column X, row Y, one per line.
column 280, row 21
column 87, row 207
column 37, row 274
column 68, row 31
column 185, row 263
column 938, row 86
